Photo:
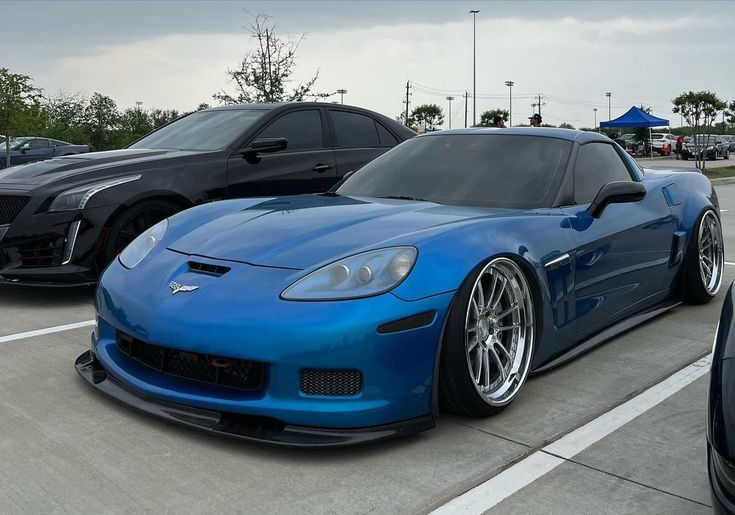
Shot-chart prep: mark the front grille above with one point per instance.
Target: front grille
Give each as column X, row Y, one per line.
column 331, row 382
column 41, row 253
column 11, row 206
column 204, row 268
column 205, row 368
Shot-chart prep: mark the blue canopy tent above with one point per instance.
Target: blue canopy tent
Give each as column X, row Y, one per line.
column 636, row 118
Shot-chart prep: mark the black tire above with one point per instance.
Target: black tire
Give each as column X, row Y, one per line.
column 457, row 390
column 685, row 158
column 694, row 290
column 727, row 154
column 134, row 221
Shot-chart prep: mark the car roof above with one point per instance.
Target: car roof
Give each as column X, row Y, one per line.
column 275, row 105
column 546, row 132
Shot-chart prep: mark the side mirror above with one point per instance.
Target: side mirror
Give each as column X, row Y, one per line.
column 23, row 150
column 266, row 146
column 617, row 192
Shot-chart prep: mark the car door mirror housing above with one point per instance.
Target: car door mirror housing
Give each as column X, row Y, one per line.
column 617, row 192
column 266, row 146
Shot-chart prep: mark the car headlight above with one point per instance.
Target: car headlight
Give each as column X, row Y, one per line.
column 362, row 275
column 77, row 198
column 141, row 246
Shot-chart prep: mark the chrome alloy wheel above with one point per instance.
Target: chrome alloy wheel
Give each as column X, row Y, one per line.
column 711, row 255
column 499, row 331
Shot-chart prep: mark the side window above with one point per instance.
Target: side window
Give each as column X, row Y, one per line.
column 302, row 129
column 60, row 143
column 36, row 144
column 597, row 164
column 386, row 138
column 354, row 130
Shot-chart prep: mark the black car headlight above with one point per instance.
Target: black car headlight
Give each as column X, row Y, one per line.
column 77, row 198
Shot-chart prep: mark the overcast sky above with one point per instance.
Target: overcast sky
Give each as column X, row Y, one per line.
column 174, row 54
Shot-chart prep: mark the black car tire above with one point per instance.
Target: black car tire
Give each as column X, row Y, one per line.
column 134, row 221
column 457, row 390
column 727, row 154
column 694, row 290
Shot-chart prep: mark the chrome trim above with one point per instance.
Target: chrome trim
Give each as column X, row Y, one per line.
column 71, row 239
column 557, row 262
column 4, row 230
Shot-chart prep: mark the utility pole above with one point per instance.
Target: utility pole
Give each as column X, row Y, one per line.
column 510, row 84
column 609, row 111
column 474, row 66
column 408, row 87
column 450, row 111
column 341, row 95
column 539, row 104
column 466, row 96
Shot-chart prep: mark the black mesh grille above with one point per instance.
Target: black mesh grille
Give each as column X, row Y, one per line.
column 41, row 253
column 205, row 368
column 11, row 206
column 331, row 382
column 205, row 268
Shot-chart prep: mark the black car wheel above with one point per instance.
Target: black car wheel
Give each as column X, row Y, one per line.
column 727, row 154
column 134, row 221
column 488, row 341
column 704, row 261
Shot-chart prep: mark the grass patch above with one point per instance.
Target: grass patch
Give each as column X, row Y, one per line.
column 716, row 173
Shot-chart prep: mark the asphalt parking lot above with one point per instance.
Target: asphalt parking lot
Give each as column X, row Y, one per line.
column 66, row 449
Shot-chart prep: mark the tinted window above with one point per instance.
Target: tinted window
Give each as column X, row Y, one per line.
column 354, row 130
column 61, row 143
column 36, row 144
column 302, row 129
column 386, row 138
column 597, row 164
column 203, row 130
column 462, row 169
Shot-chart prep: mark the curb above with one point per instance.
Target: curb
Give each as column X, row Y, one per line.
column 722, row 181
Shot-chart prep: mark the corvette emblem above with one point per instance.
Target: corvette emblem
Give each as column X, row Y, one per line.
column 176, row 288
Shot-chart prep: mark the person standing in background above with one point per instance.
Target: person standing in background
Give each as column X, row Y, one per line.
column 535, row 120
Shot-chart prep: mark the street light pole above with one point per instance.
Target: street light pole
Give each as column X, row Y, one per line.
column 609, row 115
column 595, row 110
column 474, row 66
column 341, row 95
column 450, row 111
column 510, row 85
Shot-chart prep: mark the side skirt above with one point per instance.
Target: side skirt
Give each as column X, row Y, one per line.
column 605, row 335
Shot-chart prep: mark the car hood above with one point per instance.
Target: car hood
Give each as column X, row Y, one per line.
column 301, row 232
column 42, row 172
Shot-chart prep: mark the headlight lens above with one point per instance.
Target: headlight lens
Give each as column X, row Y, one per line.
column 77, row 198
column 362, row 275
column 141, row 246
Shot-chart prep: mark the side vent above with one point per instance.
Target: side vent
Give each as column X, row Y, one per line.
column 205, row 268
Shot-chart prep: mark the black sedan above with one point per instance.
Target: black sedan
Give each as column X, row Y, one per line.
column 27, row 149
column 721, row 413
column 706, row 146
column 63, row 220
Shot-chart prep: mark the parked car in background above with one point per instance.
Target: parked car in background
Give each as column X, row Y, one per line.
column 3, row 139
column 65, row 219
column 29, row 149
column 663, row 143
column 706, row 146
column 730, row 139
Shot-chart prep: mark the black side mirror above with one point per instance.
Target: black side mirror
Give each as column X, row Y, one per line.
column 23, row 150
column 617, row 192
column 266, row 146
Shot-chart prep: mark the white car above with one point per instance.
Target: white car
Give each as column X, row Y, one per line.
column 659, row 140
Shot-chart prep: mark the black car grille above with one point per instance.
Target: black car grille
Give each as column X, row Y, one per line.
column 11, row 206
column 205, row 368
column 41, row 253
column 331, row 382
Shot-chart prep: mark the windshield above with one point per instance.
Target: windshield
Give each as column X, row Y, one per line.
column 703, row 139
column 203, row 130
column 16, row 143
column 486, row 170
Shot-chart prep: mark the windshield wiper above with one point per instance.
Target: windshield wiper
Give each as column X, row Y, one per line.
column 406, row 197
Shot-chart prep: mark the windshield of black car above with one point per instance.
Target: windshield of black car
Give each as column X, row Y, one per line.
column 203, row 130
column 16, row 143
column 489, row 170
column 703, row 139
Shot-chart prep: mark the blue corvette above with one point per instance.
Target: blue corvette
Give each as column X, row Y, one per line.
column 441, row 274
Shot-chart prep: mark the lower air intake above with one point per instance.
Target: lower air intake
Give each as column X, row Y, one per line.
column 331, row 382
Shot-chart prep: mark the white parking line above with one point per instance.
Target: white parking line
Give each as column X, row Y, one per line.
column 723, row 210
column 494, row 490
column 729, row 263
column 48, row 330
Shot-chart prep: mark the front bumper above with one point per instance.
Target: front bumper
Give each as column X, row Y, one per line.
column 722, row 491
column 235, row 425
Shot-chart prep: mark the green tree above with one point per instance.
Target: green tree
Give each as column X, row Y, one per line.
column 699, row 109
column 65, row 117
column 133, row 123
column 101, row 118
column 564, row 125
column 19, row 98
column 265, row 73
column 486, row 118
column 160, row 117
column 730, row 113
column 427, row 117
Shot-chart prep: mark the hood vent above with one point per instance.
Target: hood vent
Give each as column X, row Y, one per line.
column 205, row 268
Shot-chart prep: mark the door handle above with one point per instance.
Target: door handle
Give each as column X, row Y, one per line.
column 321, row 168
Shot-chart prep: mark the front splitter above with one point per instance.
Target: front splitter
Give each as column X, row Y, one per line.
column 235, row 425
